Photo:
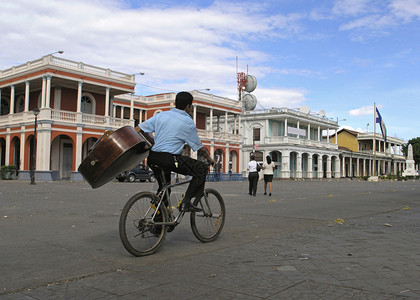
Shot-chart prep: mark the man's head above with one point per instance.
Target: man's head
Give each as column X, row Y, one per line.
column 183, row 99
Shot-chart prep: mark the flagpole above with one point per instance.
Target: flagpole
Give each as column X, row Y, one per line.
column 374, row 138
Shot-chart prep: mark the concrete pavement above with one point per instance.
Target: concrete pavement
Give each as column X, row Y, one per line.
column 60, row 240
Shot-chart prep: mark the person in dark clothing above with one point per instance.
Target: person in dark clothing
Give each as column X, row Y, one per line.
column 253, row 176
column 173, row 129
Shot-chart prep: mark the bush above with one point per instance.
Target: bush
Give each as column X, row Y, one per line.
column 8, row 172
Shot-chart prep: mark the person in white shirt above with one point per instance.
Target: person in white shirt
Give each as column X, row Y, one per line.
column 253, row 176
column 268, row 172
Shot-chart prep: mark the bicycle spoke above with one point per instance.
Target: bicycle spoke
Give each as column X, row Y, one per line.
column 208, row 224
column 138, row 233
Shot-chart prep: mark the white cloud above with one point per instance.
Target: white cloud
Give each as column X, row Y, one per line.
column 268, row 98
column 350, row 7
column 176, row 47
column 406, row 9
column 362, row 111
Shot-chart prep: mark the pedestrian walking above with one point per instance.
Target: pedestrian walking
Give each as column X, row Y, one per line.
column 268, row 171
column 253, row 175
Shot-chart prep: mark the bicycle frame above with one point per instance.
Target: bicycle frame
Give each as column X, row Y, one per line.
column 161, row 195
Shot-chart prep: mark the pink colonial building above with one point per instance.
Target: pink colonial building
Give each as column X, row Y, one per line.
column 78, row 102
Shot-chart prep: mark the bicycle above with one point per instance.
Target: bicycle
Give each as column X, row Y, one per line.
column 147, row 217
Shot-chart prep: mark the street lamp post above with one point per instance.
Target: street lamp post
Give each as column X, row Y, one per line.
column 36, row 112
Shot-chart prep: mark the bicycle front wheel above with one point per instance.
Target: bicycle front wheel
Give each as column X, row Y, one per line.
column 208, row 224
column 138, row 232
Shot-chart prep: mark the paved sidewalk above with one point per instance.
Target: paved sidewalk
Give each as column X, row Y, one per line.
column 60, row 241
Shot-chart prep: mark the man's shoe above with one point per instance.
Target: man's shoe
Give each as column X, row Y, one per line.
column 187, row 206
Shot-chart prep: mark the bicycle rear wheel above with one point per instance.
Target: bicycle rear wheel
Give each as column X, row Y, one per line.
column 208, row 224
column 138, row 233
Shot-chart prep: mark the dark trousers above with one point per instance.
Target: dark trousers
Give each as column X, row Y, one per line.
column 253, row 182
column 184, row 165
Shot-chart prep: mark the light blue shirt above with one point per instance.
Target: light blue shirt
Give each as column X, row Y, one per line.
column 173, row 129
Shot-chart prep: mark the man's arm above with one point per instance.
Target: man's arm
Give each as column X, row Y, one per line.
column 203, row 152
column 148, row 136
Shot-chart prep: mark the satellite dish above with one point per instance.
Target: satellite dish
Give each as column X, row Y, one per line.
column 250, row 102
column 251, row 83
column 304, row 109
column 322, row 113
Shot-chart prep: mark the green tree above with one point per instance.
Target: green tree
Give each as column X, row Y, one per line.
column 415, row 142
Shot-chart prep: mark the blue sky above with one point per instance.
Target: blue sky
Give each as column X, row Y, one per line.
column 338, row 56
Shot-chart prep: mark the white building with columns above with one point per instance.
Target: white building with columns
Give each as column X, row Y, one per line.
column 293, row 139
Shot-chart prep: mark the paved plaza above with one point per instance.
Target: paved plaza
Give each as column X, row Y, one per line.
column 328, row 239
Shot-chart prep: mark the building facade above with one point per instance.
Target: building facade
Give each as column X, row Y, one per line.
column 77, row 103
column 367, row 154
column 293, row 140
column 304, row 145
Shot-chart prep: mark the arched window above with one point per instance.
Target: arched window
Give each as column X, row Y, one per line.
column 86, row 104
column 20, row 104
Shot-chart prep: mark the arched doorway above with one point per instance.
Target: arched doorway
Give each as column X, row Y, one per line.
column 87, row 145
column 62, row 156
column 276, row 158
column 293, row 164
column 233, row 163
column 305, row 165
column 16, row 152
column 219, row 158
column 2, row 152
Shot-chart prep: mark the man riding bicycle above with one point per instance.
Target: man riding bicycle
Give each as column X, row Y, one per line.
column 173, row 129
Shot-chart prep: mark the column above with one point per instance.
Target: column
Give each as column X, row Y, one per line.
column 23, row 155
column 336, row 136
column 79, row 97
column 48, row 93
column 299, row 165
column 320, row 167
column 26, row 98
column 285, row 127
column 364, row 167
column 195, row 113
column 239, row 124
column 78, row 147
column 235, row 117
column 140, row 115
column 131, row 107
column 107, row 102
column 328, row 135
column 351, row 167
column 285, row 164
column 122, row 112
column 44, row 86
column 12, row 100
column 226, row 122
column 328, row 166
column 343, row 166
column 7, row 154
column 337, row 173
column 357, row 167
column 310, row 167
column 43, row 147
column 309, row 132
column 211, row 123
column 319, row 133
column 227, row 157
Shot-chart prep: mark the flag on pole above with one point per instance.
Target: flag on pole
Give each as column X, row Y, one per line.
column 381, row 123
